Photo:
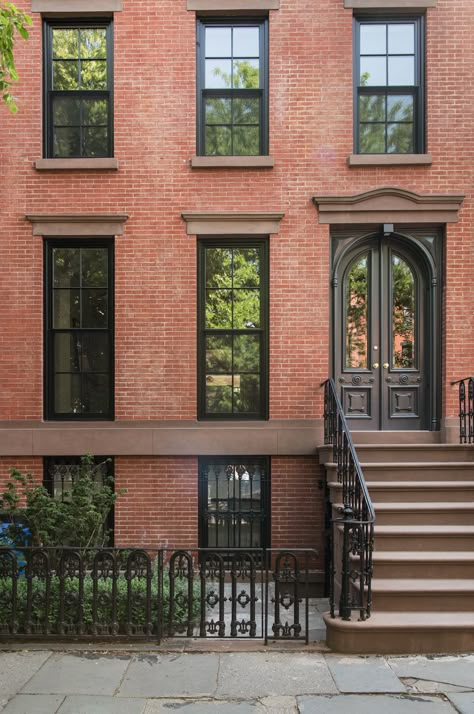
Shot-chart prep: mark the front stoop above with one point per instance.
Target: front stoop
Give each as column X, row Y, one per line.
column 423, row 582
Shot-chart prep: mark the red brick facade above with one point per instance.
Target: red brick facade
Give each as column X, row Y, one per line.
column 310, row 138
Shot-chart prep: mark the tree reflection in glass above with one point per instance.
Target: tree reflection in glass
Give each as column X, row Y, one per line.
column 357, row 314
column 403, row 306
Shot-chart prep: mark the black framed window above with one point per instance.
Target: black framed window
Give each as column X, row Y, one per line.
column 60, row 472
column 234, row 502
column 389, row 111
column 78, row 76
column 79, row 334
column 232, row 91
column 233, row 329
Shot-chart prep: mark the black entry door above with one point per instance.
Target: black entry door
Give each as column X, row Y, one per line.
column 381, row 336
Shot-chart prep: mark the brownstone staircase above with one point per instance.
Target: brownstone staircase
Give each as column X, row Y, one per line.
column 423, row 579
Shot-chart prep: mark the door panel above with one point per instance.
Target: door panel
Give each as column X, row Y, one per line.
column 381, row 333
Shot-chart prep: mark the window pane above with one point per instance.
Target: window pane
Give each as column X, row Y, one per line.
column 66, row 111
column 67, row 142
column 403, row 319
column 67, row 352
column 218, row 394
column 246, row 110
column 95, row 393
column 400, row 138
column 219, row 309
column 93, row 74
column 67, row 394
column 247, row 353
column 218, row 42
column 373, row 39
column 246, row 393
column 65, row 75
column 401, row 71
column 95, row 111
column 246, row 74
column 94, row 309
column 372, row 138
column 218, row 267
column 246, row 309
column 218, row 74
column 246, row 141
column 95, row 352
column 400, row 107
column 219, row 353
column 218, row 141
column 401, row 39
column 65, row 44
column 66, row 267
column 371, row 107
column 218, row 110
column 94, row 263
column 66, row 309
column 93, row 43
column 246, row 267
column 357, row 314
column 95, row 141
column 373, row 71
column 246, row 42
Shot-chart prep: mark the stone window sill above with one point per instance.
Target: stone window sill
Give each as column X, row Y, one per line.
column 389, row 160
column 105, row 164
column 232, row 162
column 385, row 4
column 232, row 5
column 76, row 6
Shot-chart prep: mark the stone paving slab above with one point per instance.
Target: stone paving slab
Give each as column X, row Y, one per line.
column 464, row 703
column 101, row 705
column 202, row 707
column 373, row 704
column 457, row 670
column 363, row 674
column 16, row 668
column 251, row 675
column 179, row 675
column 68, row 674
column 34, row 704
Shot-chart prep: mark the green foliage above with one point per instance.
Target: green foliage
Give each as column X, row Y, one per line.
column 40, row 617
column 356, row 315
column 12, row 21
column 79, row 519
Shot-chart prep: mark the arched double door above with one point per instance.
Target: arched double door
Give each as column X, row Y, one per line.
column 385, row 328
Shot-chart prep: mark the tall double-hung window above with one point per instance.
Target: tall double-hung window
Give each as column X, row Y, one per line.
column 233, row 328
column 78, row 68
column 79, row 330
column 232, row 87
column 389, row 111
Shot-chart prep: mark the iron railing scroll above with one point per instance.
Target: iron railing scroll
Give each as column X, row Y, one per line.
column 466, row 409
column 352, row 534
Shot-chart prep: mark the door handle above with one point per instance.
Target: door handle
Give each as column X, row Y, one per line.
column 385, row 365
column 375, row 365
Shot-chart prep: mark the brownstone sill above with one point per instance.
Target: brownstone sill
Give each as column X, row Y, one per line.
column 389, row 160
column 385, row 4
column 103, row 164
column 232, row 5
column 76, row 6
column 232, row 162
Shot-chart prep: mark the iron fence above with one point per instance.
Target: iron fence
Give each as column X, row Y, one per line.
column 151, row 594
column 466, row 409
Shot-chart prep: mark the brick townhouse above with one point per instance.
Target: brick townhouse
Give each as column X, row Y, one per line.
column 209, row 207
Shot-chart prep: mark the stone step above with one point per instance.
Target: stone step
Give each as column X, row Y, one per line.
column 422, row 594
column 414, row 452
column 412, row 471
column 424, row 538
column 402, row 633
column 412, row 491
column 395, row 437
column 423, row 564
column 430, row 513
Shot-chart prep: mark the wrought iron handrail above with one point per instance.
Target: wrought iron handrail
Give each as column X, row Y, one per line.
column 466, row 416
column 351, row 575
